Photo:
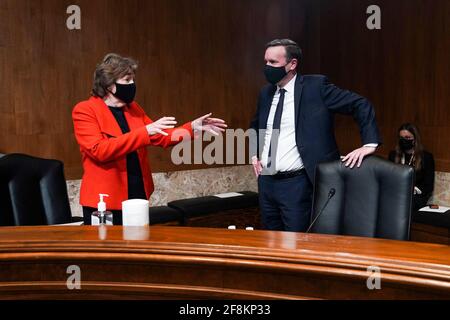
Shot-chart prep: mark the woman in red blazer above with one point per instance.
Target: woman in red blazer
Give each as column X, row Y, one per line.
column 113, row 132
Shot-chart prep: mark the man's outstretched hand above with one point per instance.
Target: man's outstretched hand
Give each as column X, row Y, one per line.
column 357, row 156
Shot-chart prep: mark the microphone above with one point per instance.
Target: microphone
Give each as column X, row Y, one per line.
column 330, row 195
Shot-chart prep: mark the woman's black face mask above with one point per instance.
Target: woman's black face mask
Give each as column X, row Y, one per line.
column 125, row 92
column 406, row 144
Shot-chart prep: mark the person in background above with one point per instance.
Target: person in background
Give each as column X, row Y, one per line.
column 113, row 132
column 410, row 151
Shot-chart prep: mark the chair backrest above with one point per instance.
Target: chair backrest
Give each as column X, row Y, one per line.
column 33, row 191
column 374, row 200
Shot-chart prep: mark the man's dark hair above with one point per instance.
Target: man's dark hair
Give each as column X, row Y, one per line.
column 293, row 50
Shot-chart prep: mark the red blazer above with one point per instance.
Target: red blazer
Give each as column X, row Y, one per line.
column 104, row 147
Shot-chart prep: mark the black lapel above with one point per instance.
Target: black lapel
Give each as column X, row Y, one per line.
column 266, row 106
column 297, row 97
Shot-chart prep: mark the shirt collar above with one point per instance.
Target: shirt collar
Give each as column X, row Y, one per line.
column 290, row 86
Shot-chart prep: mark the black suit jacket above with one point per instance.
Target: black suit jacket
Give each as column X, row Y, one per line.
column 316, row 102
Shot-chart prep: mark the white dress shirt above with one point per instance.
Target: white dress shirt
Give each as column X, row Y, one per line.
column 287, row 155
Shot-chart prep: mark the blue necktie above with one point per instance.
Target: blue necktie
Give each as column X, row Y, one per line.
column 275, row 134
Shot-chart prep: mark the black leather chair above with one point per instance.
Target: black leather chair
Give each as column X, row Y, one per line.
column 200, row 206
column 33, row 191
column 165, row 214
column 374, row 200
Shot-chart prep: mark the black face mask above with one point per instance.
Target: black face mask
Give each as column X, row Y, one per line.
column 125, row 92
column 274, row 74
column 405, row 144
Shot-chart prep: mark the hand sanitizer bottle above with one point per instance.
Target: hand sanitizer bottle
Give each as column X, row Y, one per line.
column 101, row 216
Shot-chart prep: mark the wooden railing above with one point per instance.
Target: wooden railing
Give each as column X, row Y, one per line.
column 86, row 262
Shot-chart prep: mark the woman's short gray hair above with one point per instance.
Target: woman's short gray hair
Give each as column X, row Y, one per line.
column 112, row 68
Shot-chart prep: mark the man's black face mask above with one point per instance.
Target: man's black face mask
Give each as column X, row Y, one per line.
column 274, row 74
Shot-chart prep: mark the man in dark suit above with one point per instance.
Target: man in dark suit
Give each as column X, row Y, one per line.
column 295, row 125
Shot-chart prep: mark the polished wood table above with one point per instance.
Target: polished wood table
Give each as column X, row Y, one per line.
column 203, row 263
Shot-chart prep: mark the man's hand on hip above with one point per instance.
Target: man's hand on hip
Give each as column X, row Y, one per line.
column 257, row 167
column 357, row 156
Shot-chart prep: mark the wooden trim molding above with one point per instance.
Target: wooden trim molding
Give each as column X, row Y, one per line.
column 202, row 263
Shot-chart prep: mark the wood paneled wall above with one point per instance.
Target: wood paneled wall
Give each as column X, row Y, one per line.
column 404, row 68
column 196, row 56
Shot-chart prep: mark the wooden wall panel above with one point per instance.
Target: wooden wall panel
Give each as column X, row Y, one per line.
column 198, row 56
column 402, row 68
column 195, row 56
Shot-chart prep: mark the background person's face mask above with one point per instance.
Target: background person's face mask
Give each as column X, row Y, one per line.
column 125, row 92
column 406, row 144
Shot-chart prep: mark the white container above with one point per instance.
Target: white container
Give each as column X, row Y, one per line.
column 135, row 212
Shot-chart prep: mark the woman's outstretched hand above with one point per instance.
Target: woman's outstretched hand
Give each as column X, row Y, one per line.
column 211, row 125
column 160, row 125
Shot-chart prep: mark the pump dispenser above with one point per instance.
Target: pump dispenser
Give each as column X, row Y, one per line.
column 101, row 216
